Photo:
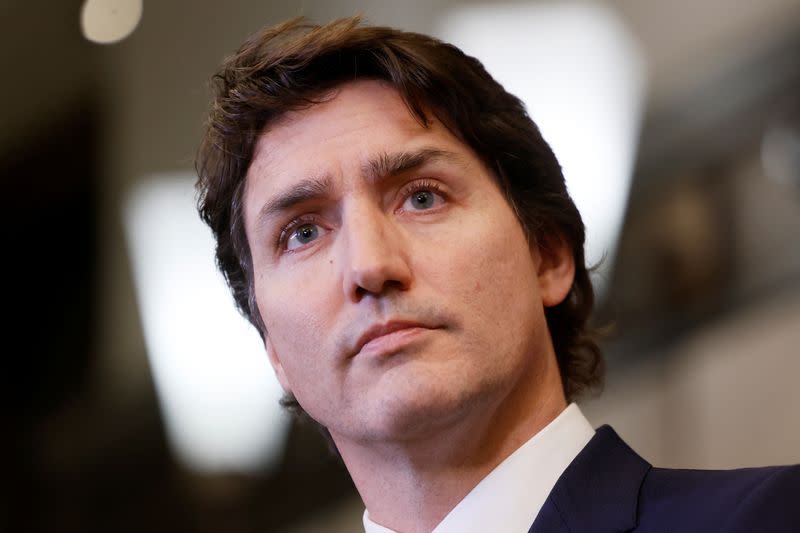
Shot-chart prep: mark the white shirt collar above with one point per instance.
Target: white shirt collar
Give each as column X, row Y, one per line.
column 511, row 495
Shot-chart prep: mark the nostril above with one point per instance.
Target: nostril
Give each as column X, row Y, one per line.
column 360, row 292
column 388, row 285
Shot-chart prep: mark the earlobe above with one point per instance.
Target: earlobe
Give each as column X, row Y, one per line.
column 277, row 367
column 556, row 271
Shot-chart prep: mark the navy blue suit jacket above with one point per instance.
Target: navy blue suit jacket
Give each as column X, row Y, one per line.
column 609, row 488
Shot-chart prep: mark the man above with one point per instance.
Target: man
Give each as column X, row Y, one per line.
column 394, row 225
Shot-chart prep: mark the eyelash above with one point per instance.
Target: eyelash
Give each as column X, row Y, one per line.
column 406, row 192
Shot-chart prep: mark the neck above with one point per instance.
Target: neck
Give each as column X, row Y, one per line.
column 410, row 486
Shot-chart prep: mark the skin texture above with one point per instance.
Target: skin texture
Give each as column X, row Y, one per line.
column 423, row 242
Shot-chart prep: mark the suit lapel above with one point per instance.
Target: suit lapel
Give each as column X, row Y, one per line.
column 549, row 520
column 599, row 490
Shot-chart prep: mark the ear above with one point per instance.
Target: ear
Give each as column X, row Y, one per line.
column 275, row 361
column 556, row 270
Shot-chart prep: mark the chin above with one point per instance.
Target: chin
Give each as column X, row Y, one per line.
column 420, row 408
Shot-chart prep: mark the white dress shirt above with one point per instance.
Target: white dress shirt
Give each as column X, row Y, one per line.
column 509, row 498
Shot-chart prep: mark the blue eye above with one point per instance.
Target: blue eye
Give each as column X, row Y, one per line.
column 422, row 199
column 302, row 235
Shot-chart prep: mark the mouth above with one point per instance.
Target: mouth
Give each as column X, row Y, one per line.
column 390, row 337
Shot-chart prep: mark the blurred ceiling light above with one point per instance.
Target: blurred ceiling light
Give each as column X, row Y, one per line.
column 109, row 21
column 582, row 77
column 217, row 392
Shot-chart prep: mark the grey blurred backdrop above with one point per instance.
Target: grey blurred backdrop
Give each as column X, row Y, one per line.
column 703, row 297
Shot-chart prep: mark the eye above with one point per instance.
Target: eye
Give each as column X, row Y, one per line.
column 302, row 235
column 422, row 200
column 422, row 197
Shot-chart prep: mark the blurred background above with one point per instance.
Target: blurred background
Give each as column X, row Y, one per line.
column 107, row 430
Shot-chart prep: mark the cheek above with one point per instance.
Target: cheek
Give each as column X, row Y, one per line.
column 495, row 267
column 294, row 325
column 492, row 277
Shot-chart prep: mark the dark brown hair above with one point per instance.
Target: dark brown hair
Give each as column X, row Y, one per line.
column 296, row 64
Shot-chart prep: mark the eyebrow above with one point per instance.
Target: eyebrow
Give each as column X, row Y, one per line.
column 387, row 164
column 299, row 193
column 375, row 170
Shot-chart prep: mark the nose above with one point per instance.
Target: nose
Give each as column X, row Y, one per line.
column 374, row 254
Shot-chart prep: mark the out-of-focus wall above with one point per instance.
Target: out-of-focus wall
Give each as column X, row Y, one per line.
column 47, row 66
column 724, row 397
column 685, row 41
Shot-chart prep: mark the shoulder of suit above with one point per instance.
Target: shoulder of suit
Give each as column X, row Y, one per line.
column 749, row 499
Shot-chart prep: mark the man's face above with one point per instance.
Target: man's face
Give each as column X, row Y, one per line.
column 396, row 284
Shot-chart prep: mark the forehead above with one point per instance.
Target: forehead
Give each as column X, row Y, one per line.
column 337, row 136
column 341, row 110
